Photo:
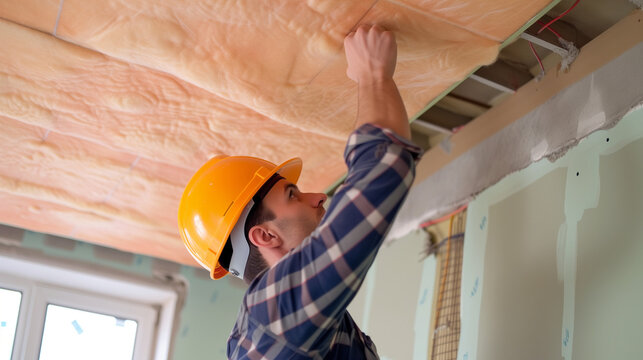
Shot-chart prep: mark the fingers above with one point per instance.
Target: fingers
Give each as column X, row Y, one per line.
column 360, row 32
column 378, row 28
column 364, row 30
column 371, row 52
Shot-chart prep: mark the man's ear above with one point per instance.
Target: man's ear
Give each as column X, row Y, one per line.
column 262, row 236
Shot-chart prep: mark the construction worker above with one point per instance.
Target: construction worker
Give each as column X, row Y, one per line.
column 303, row 264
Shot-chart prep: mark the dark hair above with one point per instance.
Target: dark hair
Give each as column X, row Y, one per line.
column 256, row 263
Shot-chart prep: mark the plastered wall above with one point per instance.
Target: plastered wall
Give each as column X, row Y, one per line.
column 555, row 252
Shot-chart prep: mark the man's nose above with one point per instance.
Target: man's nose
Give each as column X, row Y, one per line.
column 317, row 199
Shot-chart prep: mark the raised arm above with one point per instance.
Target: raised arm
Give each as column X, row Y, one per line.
column 302, row 298
column 371, row 53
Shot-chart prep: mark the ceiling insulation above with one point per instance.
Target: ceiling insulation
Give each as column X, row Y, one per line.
column 108, row 107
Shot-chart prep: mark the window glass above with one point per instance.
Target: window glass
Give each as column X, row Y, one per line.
column 73, row 334
column 9, row 309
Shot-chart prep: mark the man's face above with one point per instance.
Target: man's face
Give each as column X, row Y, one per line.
column 297, row 214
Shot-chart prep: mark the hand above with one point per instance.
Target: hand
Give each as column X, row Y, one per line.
column 371, row 53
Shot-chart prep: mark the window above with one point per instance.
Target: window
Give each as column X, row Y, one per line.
column 77, row 335
column 9, row 307
column 51, row 311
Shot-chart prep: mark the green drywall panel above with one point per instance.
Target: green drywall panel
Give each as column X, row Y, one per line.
column 609, row 283
column 523, row 298
column 597, row 258
column 393, row 306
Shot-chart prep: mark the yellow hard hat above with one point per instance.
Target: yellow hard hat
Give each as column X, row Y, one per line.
column 218, row 194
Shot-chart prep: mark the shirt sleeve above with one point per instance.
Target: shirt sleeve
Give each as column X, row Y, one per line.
column 302, row 297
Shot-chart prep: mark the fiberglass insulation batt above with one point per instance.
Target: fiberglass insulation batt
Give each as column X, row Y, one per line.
column 108, row 107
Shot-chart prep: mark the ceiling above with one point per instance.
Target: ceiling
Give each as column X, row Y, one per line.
column 108, row 107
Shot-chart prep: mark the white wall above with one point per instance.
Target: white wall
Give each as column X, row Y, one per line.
column 557, row 250
column 394, row 304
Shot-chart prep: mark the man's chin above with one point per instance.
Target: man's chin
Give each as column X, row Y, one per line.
column 322, row 212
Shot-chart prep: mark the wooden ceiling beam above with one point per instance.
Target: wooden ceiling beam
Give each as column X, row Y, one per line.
column 462, row 106
column 428, row 128
column 444, row 119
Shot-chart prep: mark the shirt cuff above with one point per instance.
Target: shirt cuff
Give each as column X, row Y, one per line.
column 369, row 132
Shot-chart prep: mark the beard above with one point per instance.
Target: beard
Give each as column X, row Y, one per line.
column 295, row 229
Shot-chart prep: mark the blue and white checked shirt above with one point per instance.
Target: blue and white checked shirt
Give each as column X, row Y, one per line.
column 297, row 308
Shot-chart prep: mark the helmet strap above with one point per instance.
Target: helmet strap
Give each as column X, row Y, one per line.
column 240, row 248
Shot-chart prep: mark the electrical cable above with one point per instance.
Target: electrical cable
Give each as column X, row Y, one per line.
column 558, row 17
column 542, row 68
column 443, row 218
column 550, row 29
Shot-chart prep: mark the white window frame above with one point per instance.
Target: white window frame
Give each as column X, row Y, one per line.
column 45, row 281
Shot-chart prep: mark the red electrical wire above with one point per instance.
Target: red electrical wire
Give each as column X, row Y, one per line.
column 558, row 17
column 457, row 128
column 433, row 222
column 550, row 29
column 542, row 68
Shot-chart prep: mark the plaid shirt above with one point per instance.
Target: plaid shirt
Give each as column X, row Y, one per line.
column 297, row 308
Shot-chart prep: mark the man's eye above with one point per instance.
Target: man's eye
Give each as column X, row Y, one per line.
column 292, row 194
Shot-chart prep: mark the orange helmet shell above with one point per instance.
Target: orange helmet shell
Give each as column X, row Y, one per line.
column 214, row 199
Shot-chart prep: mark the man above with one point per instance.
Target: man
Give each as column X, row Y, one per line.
column 304, row 265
